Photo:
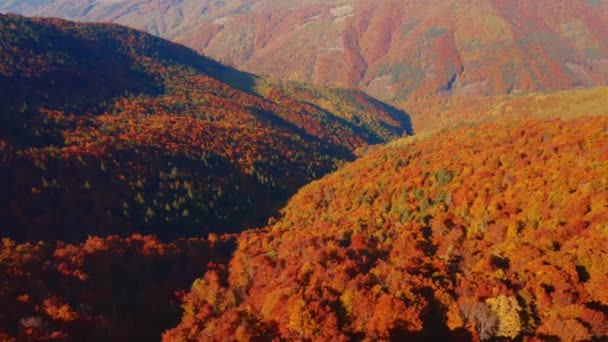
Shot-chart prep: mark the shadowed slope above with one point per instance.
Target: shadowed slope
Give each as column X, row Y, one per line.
column 107, row 130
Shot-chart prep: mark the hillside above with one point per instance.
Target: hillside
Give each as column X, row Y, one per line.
column 107, row 130
column 149, row 192
column 116, row 147
column 105, row 289
column 492, row 231
column 439, row 114
column 394, row 50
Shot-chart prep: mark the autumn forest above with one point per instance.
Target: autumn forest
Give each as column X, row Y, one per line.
column 148, row 192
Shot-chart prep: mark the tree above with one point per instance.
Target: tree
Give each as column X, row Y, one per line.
column 507, row 310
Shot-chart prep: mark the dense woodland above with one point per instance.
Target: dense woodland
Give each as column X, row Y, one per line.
column 155, row 144
column 494, row 231
column 142, row 187
column 105, row 289
column 107, row 133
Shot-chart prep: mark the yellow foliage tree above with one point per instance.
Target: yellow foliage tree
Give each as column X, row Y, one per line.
column 347, row 299
column 301, row 321
column 507, row 309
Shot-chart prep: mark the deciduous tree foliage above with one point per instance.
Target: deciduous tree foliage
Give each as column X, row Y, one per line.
column 112, row 288
column 491, row 231
column 107, row 133
column 107, row 130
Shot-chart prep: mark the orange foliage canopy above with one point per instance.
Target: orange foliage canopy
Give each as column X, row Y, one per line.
column 110, row 288
column 156, row 142
column 107, row 132
column 490, row 231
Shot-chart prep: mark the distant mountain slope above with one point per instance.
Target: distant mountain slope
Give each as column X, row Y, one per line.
column 496, row 231
column 107, row 130
column 394, row 50
column 439, row 114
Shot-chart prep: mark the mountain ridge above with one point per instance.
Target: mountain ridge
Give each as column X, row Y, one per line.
column 137, row 175
column 74, row 107
column 126, row 162
column 488, row 47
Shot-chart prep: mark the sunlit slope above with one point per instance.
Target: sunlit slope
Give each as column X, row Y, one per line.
column 394, row 50
column 435, row 115
column 493, row 231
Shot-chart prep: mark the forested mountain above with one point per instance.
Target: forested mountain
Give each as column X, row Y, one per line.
column 107, row 130
column 394, row 50
column 492, row 231
column 107, row 133
column 149, row 192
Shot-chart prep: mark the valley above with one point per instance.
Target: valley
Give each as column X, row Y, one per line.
column 309, row 170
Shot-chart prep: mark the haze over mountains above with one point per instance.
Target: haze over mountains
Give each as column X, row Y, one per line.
column 394, row 50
